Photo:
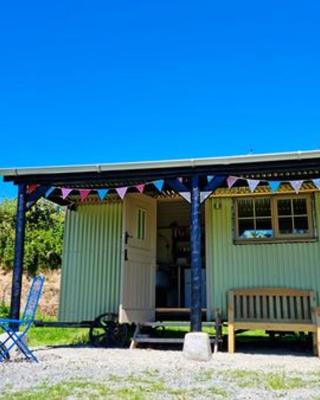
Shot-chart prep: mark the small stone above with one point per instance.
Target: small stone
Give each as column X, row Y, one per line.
column 197, row 346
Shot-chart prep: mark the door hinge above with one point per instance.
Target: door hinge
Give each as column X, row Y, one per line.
column 126, row 255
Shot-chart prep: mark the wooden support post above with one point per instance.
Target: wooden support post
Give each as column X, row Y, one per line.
column 196, row 275
column 231, row 333
column 19, row 251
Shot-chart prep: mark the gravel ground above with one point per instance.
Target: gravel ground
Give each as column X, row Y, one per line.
column 234, row 376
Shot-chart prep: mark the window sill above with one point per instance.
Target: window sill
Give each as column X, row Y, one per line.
column 274, row 241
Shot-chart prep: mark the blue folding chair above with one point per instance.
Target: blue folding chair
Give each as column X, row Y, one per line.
column 13, row 327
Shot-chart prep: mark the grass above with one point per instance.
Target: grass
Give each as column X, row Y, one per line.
column 129, row 388
column 38, row 337
column 150, row 385
column 268, row 380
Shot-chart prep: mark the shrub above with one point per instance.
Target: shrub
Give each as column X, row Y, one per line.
column 44, row 236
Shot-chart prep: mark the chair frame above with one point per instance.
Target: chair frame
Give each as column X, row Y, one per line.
column 12, row 327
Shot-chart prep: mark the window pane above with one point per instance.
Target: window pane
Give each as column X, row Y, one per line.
column 246, row 229
column 301, row 225
column 245, row 208
column 263, row 207
column 284, row 207
column 264, row 228
column 285, row 226
column 300, row 206
column 141, row 224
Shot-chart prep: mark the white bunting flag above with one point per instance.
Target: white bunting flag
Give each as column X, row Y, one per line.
column 253, row 183
column 296, row 185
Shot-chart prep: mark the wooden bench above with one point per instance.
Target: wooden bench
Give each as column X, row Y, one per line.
column 273, row 309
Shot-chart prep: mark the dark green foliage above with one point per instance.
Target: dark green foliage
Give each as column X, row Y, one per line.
column 44, row 234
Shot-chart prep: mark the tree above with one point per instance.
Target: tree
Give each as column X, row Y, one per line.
column 44, row 236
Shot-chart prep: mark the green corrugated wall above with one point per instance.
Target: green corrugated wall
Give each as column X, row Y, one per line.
column 90, row 282
column 295, row 265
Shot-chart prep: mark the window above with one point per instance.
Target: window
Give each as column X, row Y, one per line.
column 142, row 223
column 273, row 218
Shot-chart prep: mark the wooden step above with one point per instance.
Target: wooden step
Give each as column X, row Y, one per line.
column 163, row 340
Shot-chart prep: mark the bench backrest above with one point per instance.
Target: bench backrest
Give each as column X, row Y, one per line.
column 272, row 305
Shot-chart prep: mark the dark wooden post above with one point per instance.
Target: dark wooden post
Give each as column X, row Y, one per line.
column 19, row 251
column 196, row 277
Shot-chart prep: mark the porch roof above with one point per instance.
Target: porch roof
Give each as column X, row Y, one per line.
column 289, row 165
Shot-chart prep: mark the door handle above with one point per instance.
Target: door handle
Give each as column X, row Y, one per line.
column 127, row 237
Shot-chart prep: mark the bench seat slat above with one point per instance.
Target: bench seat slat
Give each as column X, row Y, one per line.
column 276, row 326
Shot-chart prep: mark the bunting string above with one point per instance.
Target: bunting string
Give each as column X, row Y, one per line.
column 177, row 184
column 273, row 184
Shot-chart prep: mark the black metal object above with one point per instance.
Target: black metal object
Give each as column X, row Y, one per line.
column 196, row 275
column 58, row 324
column 19, row 252
column 106, row 331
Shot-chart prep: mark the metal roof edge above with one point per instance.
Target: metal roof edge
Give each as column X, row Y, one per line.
column 140, row 165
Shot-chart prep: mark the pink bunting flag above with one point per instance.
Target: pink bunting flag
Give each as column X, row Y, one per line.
column 122, row 191
column 296, row 185
column 65, row 192
column 253, row 183
column 231, row 180
column 141, row 187
column 84, row 193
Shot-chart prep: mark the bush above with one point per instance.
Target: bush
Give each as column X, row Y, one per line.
column 44, row 236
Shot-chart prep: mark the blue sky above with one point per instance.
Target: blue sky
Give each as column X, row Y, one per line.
column 101, row 81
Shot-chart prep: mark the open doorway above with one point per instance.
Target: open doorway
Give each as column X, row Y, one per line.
column 173, row 275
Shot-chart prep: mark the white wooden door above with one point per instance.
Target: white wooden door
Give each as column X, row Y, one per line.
column 137, row 297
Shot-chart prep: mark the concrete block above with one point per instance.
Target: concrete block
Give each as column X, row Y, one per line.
column 197, row 346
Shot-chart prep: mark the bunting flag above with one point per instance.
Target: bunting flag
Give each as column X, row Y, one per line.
column 209, row 178
column 122, row 191
column 180, row 188
column 159, row 184
column 296, row 185
column 186, row 196
column 102, row 193
column 48, row 192
column 140, row 188
column 316, row 182
column 84, row 193
column 231, row 180
column 214, row 183
column 65, row 192
column 253, row 183
column 204, row 196
column 31, row 188
column 274, row 185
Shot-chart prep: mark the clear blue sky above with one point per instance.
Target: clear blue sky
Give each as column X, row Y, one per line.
column 101, row 81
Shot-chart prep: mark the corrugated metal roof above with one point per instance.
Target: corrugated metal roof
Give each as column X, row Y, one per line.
column 187, row 163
